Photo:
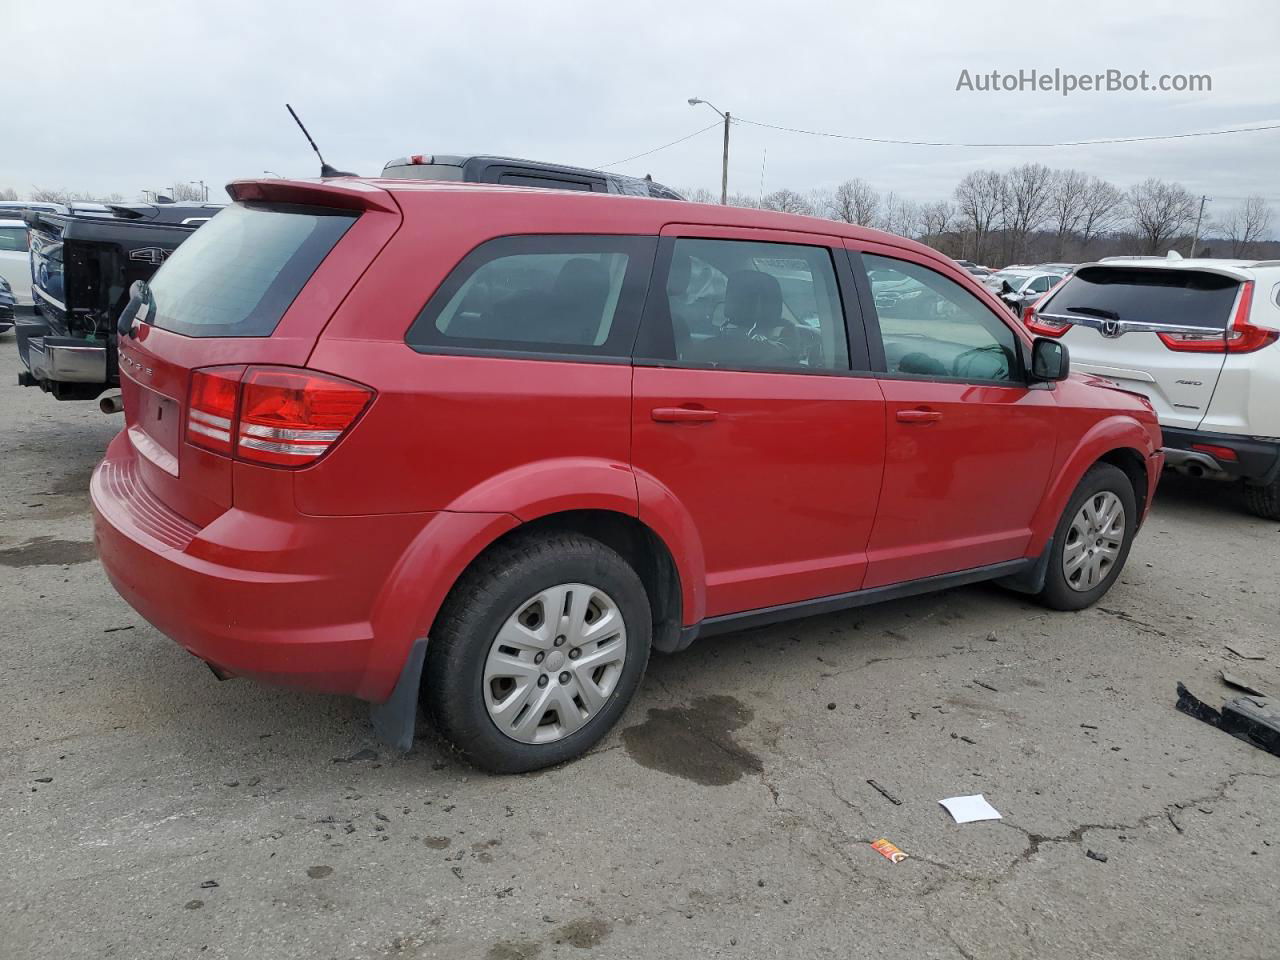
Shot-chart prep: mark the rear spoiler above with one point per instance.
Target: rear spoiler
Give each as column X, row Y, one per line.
column 344, row 194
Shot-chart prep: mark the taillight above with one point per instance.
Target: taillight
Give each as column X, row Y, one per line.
column 291, row 417
column 211, row 407
column 1045, row 328
column 1241, row 336
column 280, row 416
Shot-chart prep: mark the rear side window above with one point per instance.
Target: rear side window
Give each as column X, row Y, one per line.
column 237, row 275
column 749, row 305
column 1180, row 298
column 540, row 294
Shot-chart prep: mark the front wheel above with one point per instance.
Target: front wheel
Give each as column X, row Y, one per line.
column 537, row 652
column 1092, row 540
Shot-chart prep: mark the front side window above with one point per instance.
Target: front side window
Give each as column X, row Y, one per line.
column 748, row 305
column 933, row 328
column 540, row 294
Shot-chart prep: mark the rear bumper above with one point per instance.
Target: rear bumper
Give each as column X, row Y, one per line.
column 320, row 603
column 1257, row 461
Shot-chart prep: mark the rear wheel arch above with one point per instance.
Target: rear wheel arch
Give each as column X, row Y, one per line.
column 638, row 544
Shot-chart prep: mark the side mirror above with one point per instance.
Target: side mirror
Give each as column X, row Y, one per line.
column 1050, row 360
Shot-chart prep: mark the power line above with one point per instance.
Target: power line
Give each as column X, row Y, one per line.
column 663, row 147
column 941, row 143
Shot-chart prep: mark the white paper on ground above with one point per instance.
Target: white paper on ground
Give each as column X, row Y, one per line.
column 969, row 809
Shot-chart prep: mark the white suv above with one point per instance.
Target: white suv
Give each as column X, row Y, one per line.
column 1199, row 339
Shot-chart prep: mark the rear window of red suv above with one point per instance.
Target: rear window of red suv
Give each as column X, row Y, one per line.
column 237, row 275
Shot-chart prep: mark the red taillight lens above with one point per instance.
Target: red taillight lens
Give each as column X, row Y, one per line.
column 274, row 415
column 1240, row 337
column 1045, row 328
column 211, row 407
column 291, row 417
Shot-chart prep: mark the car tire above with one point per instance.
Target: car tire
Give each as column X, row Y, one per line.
column 463, row 699
column 1067, row 585
column 1263, row 500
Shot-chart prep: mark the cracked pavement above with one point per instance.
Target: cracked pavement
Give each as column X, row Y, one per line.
column 150, row 811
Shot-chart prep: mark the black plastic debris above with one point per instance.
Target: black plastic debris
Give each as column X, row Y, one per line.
column 1255, row 720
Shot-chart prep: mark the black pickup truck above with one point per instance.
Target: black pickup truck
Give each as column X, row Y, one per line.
column 82, row 265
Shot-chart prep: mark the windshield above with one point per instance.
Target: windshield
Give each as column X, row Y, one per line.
column 237, row 275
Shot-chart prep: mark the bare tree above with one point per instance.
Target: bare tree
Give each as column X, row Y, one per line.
column 1102, row 207
column 8, row 193
column 978, row 198
column 184, row 192
column 47, row 195
column 1025, row 204
column 1246, row 225
column 899, row 216
column 1159, row 211
column 1066, row 205
column 744, row 200
column 822, row 202
column 936, row 219
column 700, row 195
column 857, row 202
column 787, row 201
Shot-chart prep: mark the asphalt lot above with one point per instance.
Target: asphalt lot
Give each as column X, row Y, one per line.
column 150, row 811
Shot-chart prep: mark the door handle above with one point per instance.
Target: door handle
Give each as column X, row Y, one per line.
column 683, row 414
column 919, row 416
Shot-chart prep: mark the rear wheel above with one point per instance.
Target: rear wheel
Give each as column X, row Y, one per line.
column 537, row 652
column 1092, row 540
column 1263, row 500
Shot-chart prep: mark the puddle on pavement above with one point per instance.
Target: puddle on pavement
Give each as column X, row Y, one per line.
column 695, row 742
column 584, row 933
column 46, row 550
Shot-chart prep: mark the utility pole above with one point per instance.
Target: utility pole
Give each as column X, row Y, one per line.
column 1195, row 239
column 724, row 163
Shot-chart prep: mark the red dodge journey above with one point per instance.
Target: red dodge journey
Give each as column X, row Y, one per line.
column 488, row 446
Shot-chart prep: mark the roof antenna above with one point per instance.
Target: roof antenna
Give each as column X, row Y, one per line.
column 325, row 169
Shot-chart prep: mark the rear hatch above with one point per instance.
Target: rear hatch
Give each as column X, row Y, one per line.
column 252, row 288
column 1162, row 331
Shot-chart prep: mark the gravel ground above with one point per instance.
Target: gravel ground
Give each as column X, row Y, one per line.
column 150, row 811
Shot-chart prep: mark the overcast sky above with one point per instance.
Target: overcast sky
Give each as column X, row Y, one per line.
column 118, row 97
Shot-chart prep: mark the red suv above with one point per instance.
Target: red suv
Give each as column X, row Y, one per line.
column 492, row 445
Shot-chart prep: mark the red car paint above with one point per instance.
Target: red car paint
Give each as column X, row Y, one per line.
column 766, row 488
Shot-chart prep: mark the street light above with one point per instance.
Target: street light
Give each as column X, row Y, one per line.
column 724, row 166
column 204, row 190
column 272, row 173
